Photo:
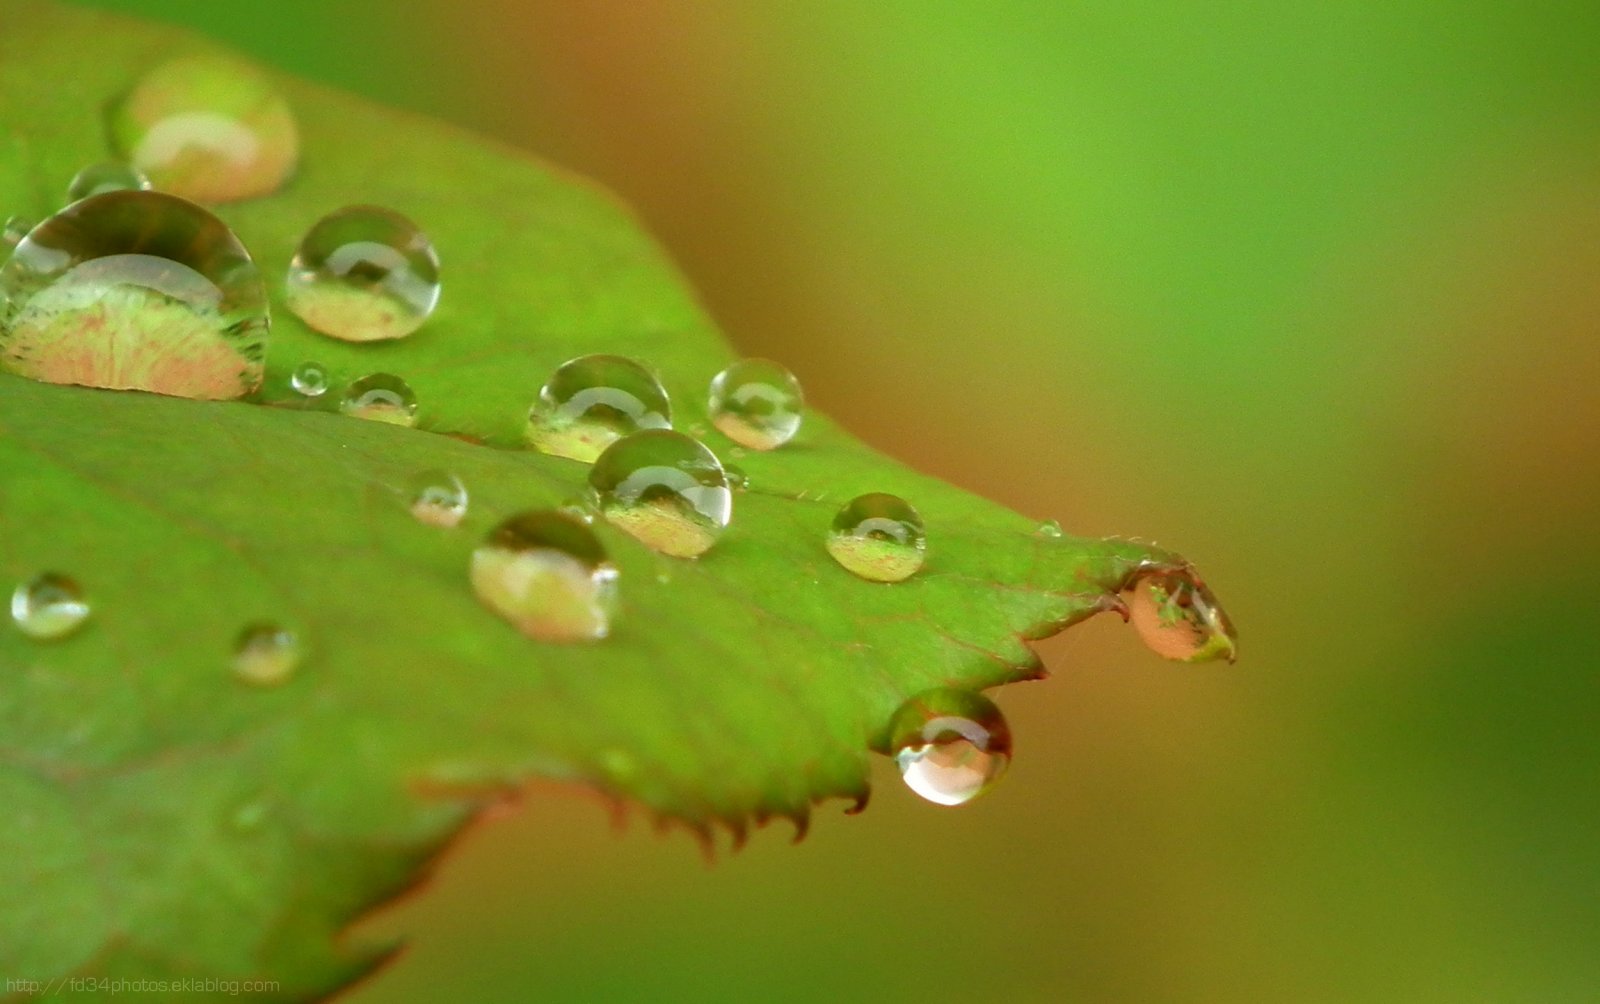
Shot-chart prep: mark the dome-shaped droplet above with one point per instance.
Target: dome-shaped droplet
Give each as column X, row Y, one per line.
column 108, row 176
column 135, row 291
column 951, row 745
column 381, row 397
column 438, row 498
column 364, row 274
column 756, row 403
column 878, row 537
column 548, row 575
column 664, row 489
column 266, row 654
column 208, row 128
column 592, row 401
column 309, row 380
column 1179, row 618
column 48, row 607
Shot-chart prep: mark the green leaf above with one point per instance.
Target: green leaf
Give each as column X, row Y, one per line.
column 166, row 821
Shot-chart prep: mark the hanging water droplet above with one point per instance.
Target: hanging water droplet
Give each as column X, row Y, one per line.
column 592, row 401
column 48, row 607
column 438, row 498
column 665, row 489
column 364, row 274
column 108, row 176
column 208, row 128
column 309, row 380
column 951, row 745
column 878, row 537
column 1179, row 618
column 266, row 654
column 381, row 397
column 548, row 575
column 756, row 403
column 14, row 229
column 135, row 291
column 1049, row 528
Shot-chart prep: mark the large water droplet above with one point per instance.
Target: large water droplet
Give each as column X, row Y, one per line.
column 548, row 575
column 438, row 498
column 1179, row 618
column 665, row 489
column 364, row 274
column 208, row 128
column 592, row 401
column 107, row 176
column 756, row 403
column 135, row 291
column 50, row 606
column 878, row 537
column 381, row 397
column 266, row 654
column 951, row 745
column 309, row 379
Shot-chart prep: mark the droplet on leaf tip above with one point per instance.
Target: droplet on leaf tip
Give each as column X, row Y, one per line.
column 1179, row 618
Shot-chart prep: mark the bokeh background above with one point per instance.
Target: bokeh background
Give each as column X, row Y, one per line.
column 1310, row 292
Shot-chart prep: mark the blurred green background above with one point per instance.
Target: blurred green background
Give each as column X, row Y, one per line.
column 1310, row 292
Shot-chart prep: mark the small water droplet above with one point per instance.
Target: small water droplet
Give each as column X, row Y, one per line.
column 951, row 745
column 665, row 489
column 135, row 291
column 381, row 397
column 1179, row 618
column 592, row 401
column 108, row 176
column 756, row 403
column 878, row 537
column 309, row 380
column 208, row 128
column 580, row 509
column 266, row 654
column 1049, row 528
column 50, row 606
column 547, row 574
column 438, row 498
column 364, row 274
column 738, row 480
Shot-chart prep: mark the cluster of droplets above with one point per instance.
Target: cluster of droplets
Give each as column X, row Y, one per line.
column 133, row 285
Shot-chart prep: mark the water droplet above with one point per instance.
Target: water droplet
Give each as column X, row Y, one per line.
column 580, row 509
column 208, row 128
column 738, row 480
column 249, row 816
column 14, row 229
column 1049, row 528
column 309, row 380
column 266, row 654
column 548, row 575
column 135, row 291
column 438, row 498
column 664, row 489
column 878, row 537
column 1179, row 618
column 364, row 274
column 756, row 403
column 592, row 401
column 109, row 176
column 49, row 607
column 951, row 745
column 381, row 397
